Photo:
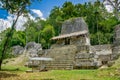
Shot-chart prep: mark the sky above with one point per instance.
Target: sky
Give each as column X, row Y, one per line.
column 39, row 9
column 45, row 6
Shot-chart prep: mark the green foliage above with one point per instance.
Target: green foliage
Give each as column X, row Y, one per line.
column 56, row 19
column 32, row 30
column 40, row 32
column 68, row 10
column 18, row 8
column 18, row 38
column 0, row 50
column 14, row 6
column 8, row 52
column 45, row 35
column 3, row 36
column 108, row 24
column 100, row 22
column 101, row 38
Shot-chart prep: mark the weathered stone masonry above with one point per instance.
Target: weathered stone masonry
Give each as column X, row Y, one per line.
column 73, row 50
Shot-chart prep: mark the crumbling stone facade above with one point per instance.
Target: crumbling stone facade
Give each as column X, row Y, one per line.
column 73, row 50
column 116, row 43
column 103, row 54
column 72, row 46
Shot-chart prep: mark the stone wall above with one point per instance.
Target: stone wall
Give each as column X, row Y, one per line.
column 103, row 47
column 63, row 57
column 17, row 50
column 116, row 43
column 74, row 25
column 32, row 48
column 77, row 40
column 63, row 53
column 72, row 56
column 103, row 54
column 78, row 55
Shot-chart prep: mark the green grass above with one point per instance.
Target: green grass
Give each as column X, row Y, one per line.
column 10, row 73
column 18, row 72
column 84, row 75
column 14, row 68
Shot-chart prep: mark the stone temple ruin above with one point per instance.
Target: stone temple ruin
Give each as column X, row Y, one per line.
column 72, row 49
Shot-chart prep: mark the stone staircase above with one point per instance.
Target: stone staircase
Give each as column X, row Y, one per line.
column 59, row 65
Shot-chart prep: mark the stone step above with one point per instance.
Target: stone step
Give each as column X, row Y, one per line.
column 85, row 64
column 59, row 67
column 59, row 64
column 84, row 60
column 84, row 56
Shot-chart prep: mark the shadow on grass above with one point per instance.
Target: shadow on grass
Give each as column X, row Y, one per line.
column 6, row 75
column 47, row 79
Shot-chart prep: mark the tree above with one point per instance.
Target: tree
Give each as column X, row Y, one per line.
column 56, row 19
column 68, row 10
column 100, row 22
column 116, row 6
column 32, row 27
column 18, row 38
column 45, row 35
column 17, row 8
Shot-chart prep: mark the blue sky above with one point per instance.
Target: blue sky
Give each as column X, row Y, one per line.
column 39, row 9
column 45, row 6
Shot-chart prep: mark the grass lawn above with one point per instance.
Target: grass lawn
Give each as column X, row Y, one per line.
column 18, row 73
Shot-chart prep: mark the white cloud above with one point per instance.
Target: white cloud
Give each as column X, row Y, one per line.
column 108, row 7
column 21, row 21
column 31, row 17
column 1, row 4
column 8, row 22
column 38, row 13
column 5, row 23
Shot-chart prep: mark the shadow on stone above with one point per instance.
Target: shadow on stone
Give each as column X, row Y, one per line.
column 6, row 75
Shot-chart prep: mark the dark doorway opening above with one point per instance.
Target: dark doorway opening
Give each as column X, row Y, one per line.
column 67, row 41
column 104, row 62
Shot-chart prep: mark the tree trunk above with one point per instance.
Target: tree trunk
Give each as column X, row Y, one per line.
column 5, row 46
column 0, row 63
